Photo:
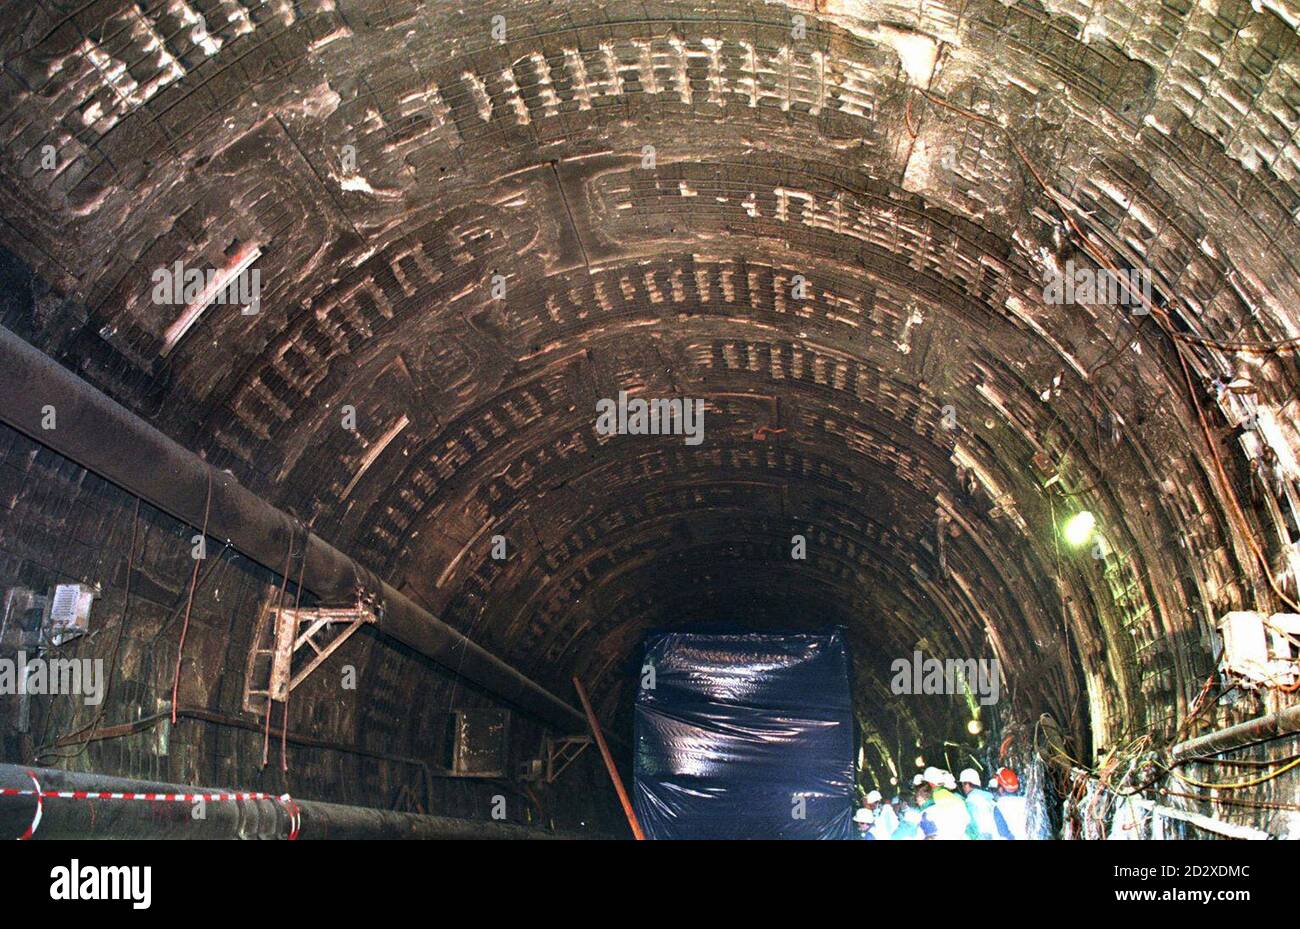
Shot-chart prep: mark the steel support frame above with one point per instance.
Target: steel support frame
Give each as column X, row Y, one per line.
column 290, row 640
column 101, row 435
column 562, row 752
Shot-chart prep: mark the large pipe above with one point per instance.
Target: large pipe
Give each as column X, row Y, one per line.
column 56, row 408
column 95, row 817
column 1261, row 729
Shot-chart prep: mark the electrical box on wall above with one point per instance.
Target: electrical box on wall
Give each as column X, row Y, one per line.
column 480, row 743
column 1257, row 648
column 22, row 619
column 68, row 612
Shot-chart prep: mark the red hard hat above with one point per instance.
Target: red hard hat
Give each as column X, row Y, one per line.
column 1007, row 778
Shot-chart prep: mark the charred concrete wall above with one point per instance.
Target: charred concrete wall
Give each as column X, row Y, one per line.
column 831, row 222
column 382, row 743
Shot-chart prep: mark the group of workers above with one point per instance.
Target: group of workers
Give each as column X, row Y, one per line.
column 945, row 808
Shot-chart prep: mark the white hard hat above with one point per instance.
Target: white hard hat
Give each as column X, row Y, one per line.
column 969, row 776
column 918, row 780
column 874, row 797
column 934, row 777
column 863, row 815
column 948, row 781
column 993, row 782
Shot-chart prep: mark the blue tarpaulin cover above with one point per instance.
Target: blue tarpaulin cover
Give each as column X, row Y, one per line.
column 745, row 736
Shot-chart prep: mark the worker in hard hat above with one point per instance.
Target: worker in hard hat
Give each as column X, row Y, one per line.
column 920, row 793
column 920, row 797
column 885, row 822
column 1010, row 818
column 863, row 818
column 979, row 803
column 944, row 814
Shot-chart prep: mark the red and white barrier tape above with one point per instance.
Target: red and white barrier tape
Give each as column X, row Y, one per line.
column 40, row 808
column 295, row 816
column 294, row 811
column 104, row 795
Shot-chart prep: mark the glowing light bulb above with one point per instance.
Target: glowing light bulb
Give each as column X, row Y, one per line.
column 1078, row 528
column 974, row 727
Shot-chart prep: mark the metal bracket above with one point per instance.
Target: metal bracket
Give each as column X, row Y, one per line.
column 320, row 629
column 562, row 752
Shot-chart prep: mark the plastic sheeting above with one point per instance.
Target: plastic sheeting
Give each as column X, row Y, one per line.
column 1039, row 799
column 745, row 736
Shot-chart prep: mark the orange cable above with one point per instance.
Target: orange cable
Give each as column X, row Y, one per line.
column 189, row 602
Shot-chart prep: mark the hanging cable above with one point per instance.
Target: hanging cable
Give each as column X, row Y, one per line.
column 44, row 751
column 1160, row 318
column 275, row 627
column 297, row 603
column 1248, row 348
column 218, row 562
column 1252, row 782
column 189, row 602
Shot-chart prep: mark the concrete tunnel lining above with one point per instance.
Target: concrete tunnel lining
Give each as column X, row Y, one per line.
column 925, row 418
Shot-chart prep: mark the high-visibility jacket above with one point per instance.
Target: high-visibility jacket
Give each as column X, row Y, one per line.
column 1009, row 815
column 909, row 828
column 980, row 804
column 945, row 817
column 886, row 822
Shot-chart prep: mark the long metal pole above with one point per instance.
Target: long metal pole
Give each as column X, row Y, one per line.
column 103, row 436
column 609, row 761
column 88, row 815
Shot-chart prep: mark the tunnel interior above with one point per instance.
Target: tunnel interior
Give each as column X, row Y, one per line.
column 941, row 276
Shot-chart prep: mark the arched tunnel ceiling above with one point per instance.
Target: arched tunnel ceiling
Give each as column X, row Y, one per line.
column 651, row 180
